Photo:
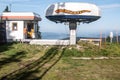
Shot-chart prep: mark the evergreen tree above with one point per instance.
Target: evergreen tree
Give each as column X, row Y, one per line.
column 6, row 9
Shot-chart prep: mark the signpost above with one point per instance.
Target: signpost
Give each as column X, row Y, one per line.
column 111, row 37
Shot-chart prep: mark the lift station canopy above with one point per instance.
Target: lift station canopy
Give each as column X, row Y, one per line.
column 72, row 12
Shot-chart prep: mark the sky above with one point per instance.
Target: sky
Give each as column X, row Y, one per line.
column 109, row 21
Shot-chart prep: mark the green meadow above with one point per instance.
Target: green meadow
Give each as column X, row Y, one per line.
column 21, row 61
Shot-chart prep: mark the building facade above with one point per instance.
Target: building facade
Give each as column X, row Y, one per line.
column 21, row 25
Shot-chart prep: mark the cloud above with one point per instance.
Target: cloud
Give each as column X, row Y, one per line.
column 110, row 6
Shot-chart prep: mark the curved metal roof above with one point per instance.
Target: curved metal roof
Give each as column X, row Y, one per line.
column 73, row 12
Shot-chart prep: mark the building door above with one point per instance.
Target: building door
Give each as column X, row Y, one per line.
column 30, row 30
column 2, row 33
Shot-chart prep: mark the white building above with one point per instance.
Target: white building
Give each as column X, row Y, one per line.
column 21, row 25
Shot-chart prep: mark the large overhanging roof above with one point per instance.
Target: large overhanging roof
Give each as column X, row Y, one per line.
column 72, row 18
column 20, row 16
column 73, row 12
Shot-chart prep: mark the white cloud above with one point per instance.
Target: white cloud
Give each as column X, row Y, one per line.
column 110, row 6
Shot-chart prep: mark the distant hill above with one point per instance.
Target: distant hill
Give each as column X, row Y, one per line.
column 52, row 35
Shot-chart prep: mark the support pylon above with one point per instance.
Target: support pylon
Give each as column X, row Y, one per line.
column 72, row 27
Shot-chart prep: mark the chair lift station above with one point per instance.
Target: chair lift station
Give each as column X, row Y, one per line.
column 73, row 13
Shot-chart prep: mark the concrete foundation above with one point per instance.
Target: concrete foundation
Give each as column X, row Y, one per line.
column 49, row 42
column 72, row 27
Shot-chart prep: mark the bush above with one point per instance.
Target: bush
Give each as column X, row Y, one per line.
column 71, row 52
column 89, row 50
column 108, row 39
column 104, row 52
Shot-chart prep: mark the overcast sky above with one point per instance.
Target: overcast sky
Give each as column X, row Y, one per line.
column 109, row 21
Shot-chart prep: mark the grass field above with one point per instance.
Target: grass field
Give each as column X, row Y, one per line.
column 31, row 62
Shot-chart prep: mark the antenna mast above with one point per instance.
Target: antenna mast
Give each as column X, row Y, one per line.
column 10, row 7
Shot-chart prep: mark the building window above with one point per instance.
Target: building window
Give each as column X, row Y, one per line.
column 14, row 26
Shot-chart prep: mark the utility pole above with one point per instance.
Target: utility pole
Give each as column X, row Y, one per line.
column 117, row 36
column 105, row 39
column 100, row 39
